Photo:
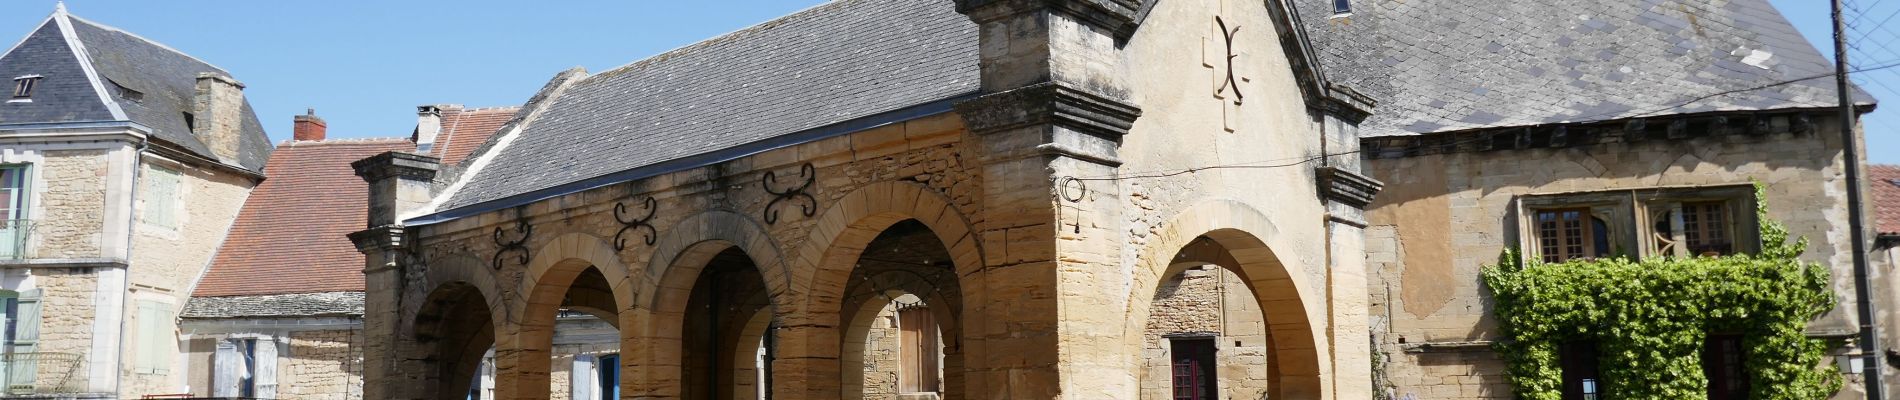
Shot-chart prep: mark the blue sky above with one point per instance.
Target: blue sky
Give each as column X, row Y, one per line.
column 365, row 65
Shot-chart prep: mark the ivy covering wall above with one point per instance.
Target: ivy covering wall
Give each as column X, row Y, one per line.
column 1649, row 319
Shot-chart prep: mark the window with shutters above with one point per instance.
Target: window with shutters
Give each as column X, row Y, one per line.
column 23, row 86
column 1639, row 223
column 155, row 339
column 22, row 316
column 161, row 198
column 245, row 367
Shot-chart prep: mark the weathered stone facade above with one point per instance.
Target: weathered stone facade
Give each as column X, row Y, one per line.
column 1444, row 216
column 323, row 365
column 1047, row 270
column 1207, row 300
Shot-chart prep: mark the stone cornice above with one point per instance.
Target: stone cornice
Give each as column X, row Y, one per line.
column 1347, row 187
column 1115, row 16
column 1759, row 124
column 1050, row 103
column 397, row 164
column 381, row 238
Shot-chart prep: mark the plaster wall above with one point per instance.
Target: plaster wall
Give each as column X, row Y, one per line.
column 167, row 260
column 1443, row 217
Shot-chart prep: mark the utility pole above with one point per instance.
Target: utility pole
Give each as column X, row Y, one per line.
column 1850, row 148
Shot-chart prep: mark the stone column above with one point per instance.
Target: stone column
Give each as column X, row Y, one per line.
column 1055, row 108
column 1347, row 193
column 398, row 182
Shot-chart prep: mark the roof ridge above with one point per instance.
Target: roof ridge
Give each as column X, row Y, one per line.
column 716, row 38
column 69, row 15
column 368, row 140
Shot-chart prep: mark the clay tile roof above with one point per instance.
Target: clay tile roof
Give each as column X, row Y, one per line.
column 290, row 236
column 464, row 130
column 1886, row 197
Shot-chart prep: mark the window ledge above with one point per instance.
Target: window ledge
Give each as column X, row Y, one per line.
column 63, row 263
column 20, row 101
column 1448, row 347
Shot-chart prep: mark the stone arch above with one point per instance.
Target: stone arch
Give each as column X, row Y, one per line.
column 524, row 351
column 1297, row 359
column 857, row 320
column 659, row 353
column 826, row 259
column 679, row 244
column 452, row 326
column 841, row 232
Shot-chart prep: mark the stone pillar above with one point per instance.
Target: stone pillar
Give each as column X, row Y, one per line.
column 1347, row 193
column 1055, row 108
column 398, row 183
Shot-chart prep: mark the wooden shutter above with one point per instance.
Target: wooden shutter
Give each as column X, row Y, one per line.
column 228, row 367
column 264, row 369
column 581, row 378
column 161, row 203
column 21, row 376
column 154, row 340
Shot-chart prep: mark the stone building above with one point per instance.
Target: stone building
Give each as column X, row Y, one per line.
column 789, row 210
column 1885, row 199
column 1576, row 130
column 279, row 313
column 123, row 164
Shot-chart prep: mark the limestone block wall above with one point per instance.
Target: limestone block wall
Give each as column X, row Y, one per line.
column 71, row 221
column 67, row 311
column 1443, row 217
column 1207, row 299
column 323, row 365
column 882, row 361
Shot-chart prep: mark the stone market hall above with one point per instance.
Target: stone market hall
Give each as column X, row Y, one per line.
column 915, row 198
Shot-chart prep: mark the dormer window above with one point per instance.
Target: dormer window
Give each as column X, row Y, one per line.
column 1342, row 7
column 23, row 86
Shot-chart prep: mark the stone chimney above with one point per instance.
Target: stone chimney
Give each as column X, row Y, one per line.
column 428, row 125
column 217, row 114
column 308, row 127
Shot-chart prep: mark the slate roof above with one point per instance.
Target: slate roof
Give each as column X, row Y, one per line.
column 1885, row 180
column 332, row 304
column 1449, row 65
column 465, row 129
column 291, row 235
column 832, row 63
column 166, row 79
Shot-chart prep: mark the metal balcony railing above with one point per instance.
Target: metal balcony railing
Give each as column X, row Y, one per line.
column 41, row 373
column 13, row 237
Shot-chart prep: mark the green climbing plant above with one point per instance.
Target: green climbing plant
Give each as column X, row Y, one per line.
column 1650, row 318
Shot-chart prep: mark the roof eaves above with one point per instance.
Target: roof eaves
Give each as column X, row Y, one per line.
column 430, row 215
column 78, row 47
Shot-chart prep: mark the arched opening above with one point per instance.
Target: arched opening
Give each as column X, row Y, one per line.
column 585, row 347
column 1224, row 320
column 569, row 338
column 455, row 331
column 900, row 317
column 723, row 327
